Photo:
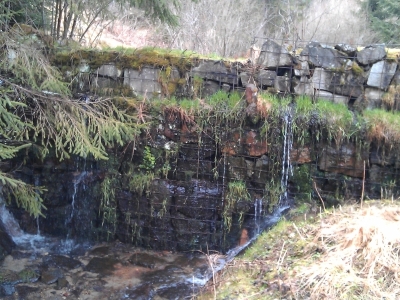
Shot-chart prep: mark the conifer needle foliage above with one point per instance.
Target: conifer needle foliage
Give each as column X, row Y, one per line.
column 36, row 109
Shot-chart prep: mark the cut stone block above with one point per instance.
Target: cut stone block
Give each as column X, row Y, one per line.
column 273, row 55
column 109, row 70
column 216, row 71
column 371, row 54
column 381, row 74
column 143, row 82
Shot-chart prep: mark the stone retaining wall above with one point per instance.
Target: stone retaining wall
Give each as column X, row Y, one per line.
column 340, row 73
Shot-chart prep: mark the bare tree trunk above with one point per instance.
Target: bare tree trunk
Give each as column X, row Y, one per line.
column 75, row 21
column 53, row 18
column 67, row 9
column 43, row 18
column 67, row 20
column 60, row 15
column 7, row 18
column 72, row 32
column 57, row 18
column 100, row 10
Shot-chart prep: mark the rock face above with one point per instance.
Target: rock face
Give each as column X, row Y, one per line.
column 381, row 74
column 303, row 86
column 372, row 98
column 371, row 54
column 347, row 84
column 332, row 97
column 274, row 55
column 216, row 71
column 345, row 48
column 324, row 57
column 110, row 70
column 322, row 79
column 6, row 243
column 301, row 68
column 143, row 82
column 266, row 78
column 183, row 203
column 342, row 161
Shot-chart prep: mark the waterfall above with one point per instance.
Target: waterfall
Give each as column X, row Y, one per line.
column 258, row 210
column 13, row 229
column 287, row 147
column 223, row 189
column 68, row 244
column 10, row 224
column 76, row 183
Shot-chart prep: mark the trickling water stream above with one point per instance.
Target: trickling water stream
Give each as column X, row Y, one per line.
column 287, row 169
column 76, row 182
column 258, row 214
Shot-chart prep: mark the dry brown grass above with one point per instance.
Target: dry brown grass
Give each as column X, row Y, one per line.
column 382, row 127
column 359, row 256
column 263, row 107
column 392, row 97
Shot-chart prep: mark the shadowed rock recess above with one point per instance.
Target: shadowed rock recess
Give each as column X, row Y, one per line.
column 196, row 178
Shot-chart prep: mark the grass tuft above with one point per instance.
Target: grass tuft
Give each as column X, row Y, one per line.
column 336, row 118
column 382, row 126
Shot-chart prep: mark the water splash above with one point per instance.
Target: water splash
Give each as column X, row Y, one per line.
column 20, row 238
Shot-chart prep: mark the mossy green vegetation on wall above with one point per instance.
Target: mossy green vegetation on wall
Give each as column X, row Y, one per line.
column 128, row 58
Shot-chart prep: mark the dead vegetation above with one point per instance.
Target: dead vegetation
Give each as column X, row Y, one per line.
column 344, row 253
column 360, row 256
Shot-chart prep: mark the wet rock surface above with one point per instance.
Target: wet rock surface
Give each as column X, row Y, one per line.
column 112, row 271
column 6, row 243
column 146, row 260
column 51, row 276
column 102, row 265
column 61, row 261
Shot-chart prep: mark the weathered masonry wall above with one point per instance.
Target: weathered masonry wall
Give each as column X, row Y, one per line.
column 365, row 78
column 193, row 183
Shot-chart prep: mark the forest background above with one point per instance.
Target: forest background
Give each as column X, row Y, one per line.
column 226, row 27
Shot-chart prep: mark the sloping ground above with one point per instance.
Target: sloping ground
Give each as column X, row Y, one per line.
column 350, row 252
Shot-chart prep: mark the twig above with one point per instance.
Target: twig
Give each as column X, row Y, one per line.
column 281, row 256
column 298, row 231
column 363, row 185
column 322, row 201
column 213, row 272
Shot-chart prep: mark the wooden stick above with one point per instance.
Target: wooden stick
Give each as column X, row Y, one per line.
column 322, row 201
column 363, row 185
column 298, row 231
